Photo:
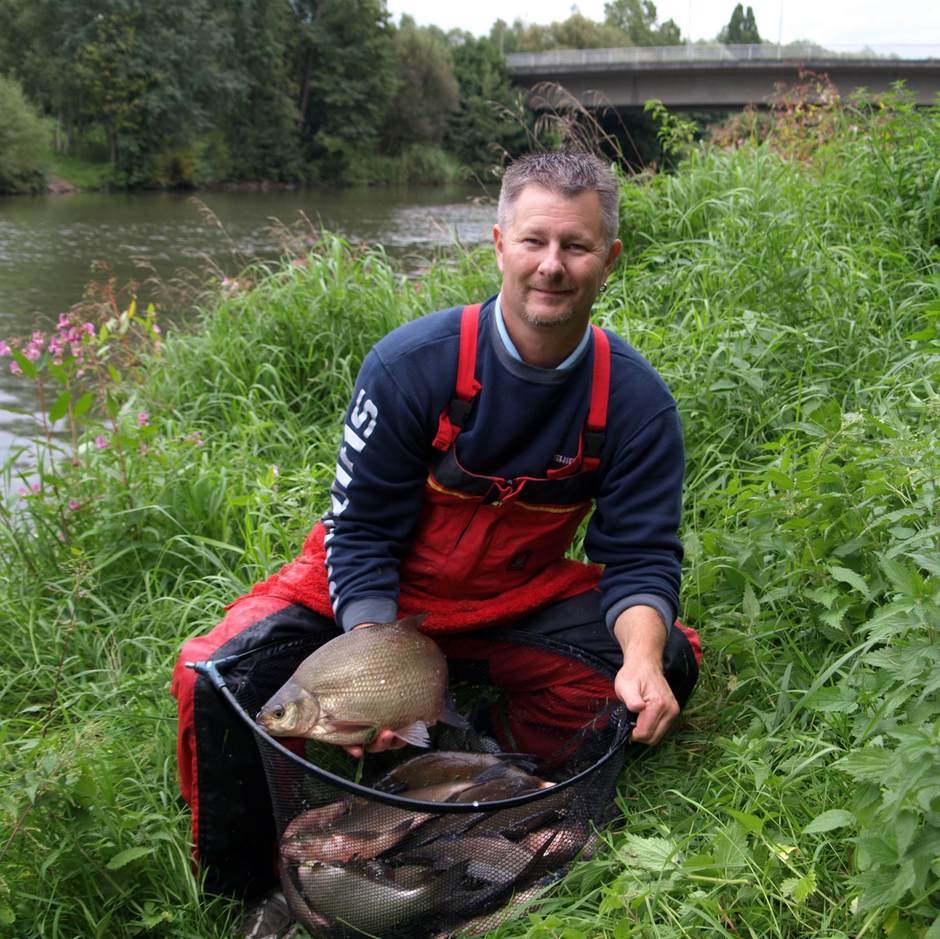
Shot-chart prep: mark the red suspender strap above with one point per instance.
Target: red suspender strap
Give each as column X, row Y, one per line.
column 453, row 416
column 592, row 437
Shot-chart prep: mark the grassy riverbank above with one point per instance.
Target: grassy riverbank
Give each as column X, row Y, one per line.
column 793, row 308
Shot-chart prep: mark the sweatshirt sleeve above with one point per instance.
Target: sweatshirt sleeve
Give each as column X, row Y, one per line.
column 634, row 529
column 376, row 496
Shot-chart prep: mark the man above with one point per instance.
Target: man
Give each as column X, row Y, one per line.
column 476, row 441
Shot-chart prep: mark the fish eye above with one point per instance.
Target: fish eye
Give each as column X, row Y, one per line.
column 278, row 713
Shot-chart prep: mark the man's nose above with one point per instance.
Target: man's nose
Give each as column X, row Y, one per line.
column 551, row 264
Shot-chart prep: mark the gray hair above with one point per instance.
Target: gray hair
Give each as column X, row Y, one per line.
column 568, row 172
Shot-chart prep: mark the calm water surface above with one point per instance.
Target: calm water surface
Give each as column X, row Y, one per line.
column 49, row 244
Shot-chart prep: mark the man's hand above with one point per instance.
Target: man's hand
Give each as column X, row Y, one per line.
column 640, row 683
column 383, row 740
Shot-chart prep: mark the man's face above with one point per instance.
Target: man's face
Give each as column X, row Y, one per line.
column 553, row 258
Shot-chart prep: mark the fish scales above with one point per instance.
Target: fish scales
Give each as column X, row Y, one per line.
column 386, row 675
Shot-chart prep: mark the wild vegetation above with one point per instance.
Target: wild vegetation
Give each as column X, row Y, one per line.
column 791, row 302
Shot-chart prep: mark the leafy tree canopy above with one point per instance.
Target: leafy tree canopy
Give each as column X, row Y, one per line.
column 637, row 18
column 23, row 139
column 741, row 28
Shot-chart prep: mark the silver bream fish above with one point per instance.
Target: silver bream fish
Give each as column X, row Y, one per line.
column 386, row 675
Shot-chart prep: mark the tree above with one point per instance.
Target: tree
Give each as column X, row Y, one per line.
column 741, row 28
column 478, row 132
column 261, row 121
column 427, row 91
column 637, row 18
column 576, row 32
column 24, row 137
column 347, row 78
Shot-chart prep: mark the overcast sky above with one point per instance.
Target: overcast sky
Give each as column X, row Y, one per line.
column 908, row 27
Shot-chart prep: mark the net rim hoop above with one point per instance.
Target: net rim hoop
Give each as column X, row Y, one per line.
column 625, row 724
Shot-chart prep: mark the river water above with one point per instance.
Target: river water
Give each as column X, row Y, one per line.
column 49, row 244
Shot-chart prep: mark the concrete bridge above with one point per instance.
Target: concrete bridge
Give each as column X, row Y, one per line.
column 714, row 77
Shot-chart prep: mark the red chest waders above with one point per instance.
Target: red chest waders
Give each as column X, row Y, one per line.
column 487, row 564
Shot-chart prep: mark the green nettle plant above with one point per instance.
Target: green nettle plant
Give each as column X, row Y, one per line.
column 790, row 296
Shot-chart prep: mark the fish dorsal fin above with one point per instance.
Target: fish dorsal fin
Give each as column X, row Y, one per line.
column 416, row 734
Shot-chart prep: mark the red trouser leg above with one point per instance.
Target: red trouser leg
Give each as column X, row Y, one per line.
column 549, row 697
column 220, row 772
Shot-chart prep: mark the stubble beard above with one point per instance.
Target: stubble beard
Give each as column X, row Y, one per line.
column 542, row 321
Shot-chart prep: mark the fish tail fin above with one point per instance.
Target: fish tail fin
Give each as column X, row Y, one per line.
column 450, row 714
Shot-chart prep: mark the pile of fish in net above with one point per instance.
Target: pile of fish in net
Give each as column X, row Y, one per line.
column 422, row 846
column 468, row 831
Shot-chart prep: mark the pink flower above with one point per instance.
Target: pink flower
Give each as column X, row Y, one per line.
column 143, row 450
column 156, row 329
column 196, row 438
column 4, row 348
column 24, row 492
column 36, row 487
column 32, row 352
column 74, row 505
column 15, row 368
column 143, row 419
column 88, row 328
column 101, row 442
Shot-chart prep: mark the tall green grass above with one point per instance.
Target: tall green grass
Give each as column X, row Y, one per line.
column 793, row 309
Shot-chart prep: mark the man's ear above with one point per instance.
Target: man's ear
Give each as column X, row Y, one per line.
column 615, row 248
column 498, row 245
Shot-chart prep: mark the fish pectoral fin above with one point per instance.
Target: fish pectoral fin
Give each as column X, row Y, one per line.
column 415, row 734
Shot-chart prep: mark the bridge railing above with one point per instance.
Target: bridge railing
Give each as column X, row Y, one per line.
column 695, row 52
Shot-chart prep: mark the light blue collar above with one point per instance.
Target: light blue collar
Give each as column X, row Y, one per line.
column 514, row 352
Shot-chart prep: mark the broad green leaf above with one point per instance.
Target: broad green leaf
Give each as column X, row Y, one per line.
column 827, row 821
column 849, row 577
column 800, row 888
column 934, row 931
column 7, row 916
column 872, row 764
column 901, row 579
column 128, row 855
column 750, row 604
column 83, row 404
column 651, row 854
column 780, row 480
column 29, row 369
column 57, row 372
column 115, row 374
column 750, row 823
column 61, row 406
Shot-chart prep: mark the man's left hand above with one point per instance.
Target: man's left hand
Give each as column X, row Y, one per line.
column 640, row 683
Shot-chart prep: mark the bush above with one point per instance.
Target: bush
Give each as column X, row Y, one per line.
column 24, row 136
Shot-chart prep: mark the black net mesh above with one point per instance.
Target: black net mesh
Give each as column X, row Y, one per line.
column 384, row 857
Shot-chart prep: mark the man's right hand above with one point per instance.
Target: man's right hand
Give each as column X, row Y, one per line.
column 383, row 740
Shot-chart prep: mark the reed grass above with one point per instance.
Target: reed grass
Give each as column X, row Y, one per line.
column 793, row 309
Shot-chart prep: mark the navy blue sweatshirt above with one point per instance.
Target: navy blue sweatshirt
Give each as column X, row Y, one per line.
column 525, row 420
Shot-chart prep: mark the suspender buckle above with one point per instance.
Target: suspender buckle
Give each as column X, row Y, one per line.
column 459, row 411
column 592, row 444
